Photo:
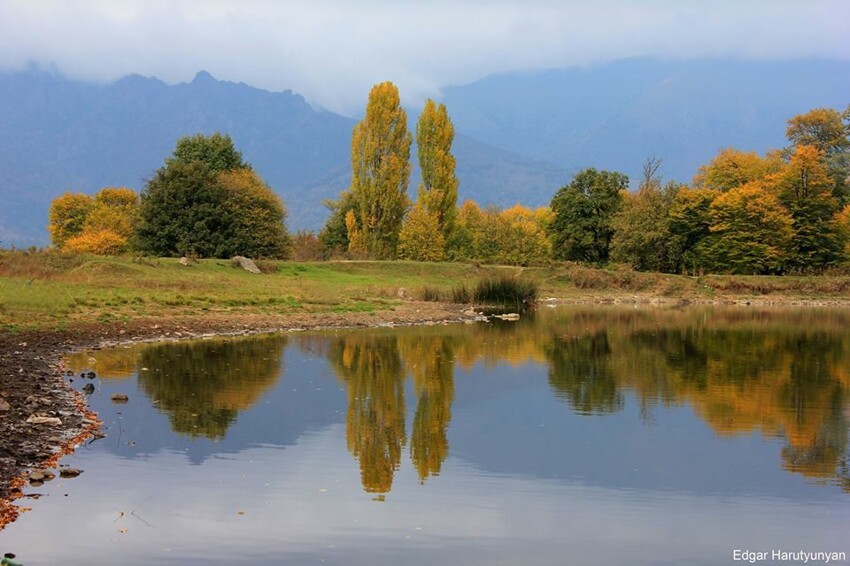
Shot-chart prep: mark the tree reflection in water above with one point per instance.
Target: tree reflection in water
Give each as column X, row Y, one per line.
column 202, row 386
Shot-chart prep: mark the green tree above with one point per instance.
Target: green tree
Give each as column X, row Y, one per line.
column 184, row 210
column 216, row 150
column 438, row 190
column 334, row 236
column 689, row 221
column 642, row 235
column 197, row 203
column 582, row 228
column 752, row 231
column 380, row 169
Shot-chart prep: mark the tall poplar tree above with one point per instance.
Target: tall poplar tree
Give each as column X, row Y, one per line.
column 380, row 170
column 438, row 190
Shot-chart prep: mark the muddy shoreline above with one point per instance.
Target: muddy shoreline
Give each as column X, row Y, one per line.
column 32, row 380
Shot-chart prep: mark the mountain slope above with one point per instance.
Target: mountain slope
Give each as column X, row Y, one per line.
column 615, row 116
column 59, row 134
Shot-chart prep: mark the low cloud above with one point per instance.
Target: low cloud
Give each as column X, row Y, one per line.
column 333, row 51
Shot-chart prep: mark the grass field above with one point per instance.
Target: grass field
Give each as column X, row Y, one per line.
column 54, row 290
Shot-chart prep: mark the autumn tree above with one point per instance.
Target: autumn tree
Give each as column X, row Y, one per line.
column 421, row 238
column 828, row 130
column 732, row 168
column 438, row 190
column 805, row 189
column 582, row 227
column 514, row 236
column 101, row 224
column 380, row 169
column 752, row 231
column 259, row 216
column 68, row 215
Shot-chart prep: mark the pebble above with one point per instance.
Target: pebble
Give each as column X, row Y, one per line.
column 119, row 398
column 69, row 472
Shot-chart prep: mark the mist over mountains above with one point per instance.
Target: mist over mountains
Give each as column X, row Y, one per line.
column 520, row 136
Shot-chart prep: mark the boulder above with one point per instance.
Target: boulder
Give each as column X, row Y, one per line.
column 246, row 263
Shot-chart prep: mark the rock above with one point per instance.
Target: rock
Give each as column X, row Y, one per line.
column 88, row 388
column 184, row 261
column 36, row 476
column 246, row 263
column 403, row 293
column 4, row 405
column 119, row 398
column 508, row 316
column 38, row 419
column 470, row 312
column 69, row 472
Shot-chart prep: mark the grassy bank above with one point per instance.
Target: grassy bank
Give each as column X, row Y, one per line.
column 53, row 290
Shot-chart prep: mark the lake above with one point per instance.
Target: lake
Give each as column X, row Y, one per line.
column 577, row 435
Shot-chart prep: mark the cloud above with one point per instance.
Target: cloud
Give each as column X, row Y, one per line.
column 332, row 51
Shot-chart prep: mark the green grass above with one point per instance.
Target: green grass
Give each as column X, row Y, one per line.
column 53, row 290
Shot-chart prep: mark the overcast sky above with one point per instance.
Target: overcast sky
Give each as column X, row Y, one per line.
column 332, row 51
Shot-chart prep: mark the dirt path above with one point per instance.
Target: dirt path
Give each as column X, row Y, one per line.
column 32, row 384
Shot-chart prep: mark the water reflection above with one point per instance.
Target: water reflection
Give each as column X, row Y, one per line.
column 781, row 373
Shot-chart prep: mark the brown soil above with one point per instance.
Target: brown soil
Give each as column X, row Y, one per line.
column 32, row 382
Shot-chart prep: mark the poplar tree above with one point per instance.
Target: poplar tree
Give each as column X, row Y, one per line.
column 438, row 190
column 380, row 170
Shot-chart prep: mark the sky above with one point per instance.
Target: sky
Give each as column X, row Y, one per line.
column 332, row 51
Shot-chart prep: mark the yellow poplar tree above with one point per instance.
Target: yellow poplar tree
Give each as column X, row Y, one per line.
column 380, row 170
column 438, row 190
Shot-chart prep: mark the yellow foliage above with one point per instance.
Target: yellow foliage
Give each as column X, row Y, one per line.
column 67, row 216
column 99, row 242
column 421, row 238
column 732, row 168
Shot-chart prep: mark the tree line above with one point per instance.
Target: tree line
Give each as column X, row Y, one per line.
column 786, row 211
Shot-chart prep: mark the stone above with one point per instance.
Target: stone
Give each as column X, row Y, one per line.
column 119, row 398
column 4, row 405
column 88, row 388
column 38, row 419
column 508, row 316
column 246, row 263
column 403, row 293
column 69, row 472
column 184, row 261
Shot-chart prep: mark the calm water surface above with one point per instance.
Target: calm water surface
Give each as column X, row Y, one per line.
column 575, row 436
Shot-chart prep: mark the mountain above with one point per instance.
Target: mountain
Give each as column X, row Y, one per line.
column 520, row 135
column 59, row 134
column 614, row 116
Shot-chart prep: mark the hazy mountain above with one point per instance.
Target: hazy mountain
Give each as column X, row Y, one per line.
column 615, row 116
column 58, row 134
column 524, row 134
